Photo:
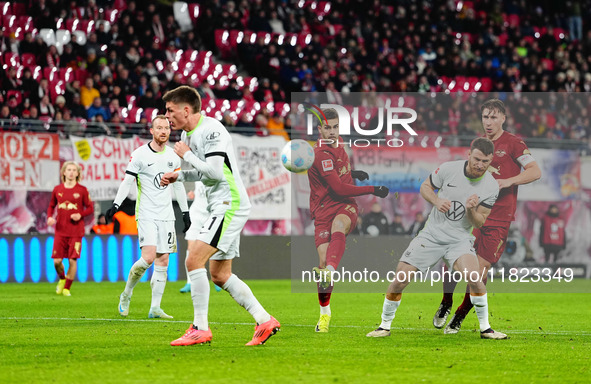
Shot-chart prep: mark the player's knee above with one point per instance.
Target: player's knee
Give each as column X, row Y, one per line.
column 161, row 260
column 476, row 286
column 220, row 278
column 341, row 224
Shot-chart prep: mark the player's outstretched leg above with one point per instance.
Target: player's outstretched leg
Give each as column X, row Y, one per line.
column 262, row 332
column 266, row 326
column 135, row 274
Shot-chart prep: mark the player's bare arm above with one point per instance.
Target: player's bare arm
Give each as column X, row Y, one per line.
column 531, row 172
column 428, row 192
column 75, row 216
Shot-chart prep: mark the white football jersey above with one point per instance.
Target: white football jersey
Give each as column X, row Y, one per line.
column 210, row 138
column 454, row 185
column 154, row 202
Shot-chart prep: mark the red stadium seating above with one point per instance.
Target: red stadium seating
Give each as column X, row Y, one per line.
column 151, row 113
column 28, row 59
column 133, row 115
column 26, row 23
column 11, row 59
column 56, row 87
column 15, row 93
column 112, row 15
column 50, row 73
column 19, row 9
column 130, row 101
column 4, row 7
column 194, row 11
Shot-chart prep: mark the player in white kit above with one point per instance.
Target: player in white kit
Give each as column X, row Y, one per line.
column 466, row 195
column 154, row 213
column 207, row 146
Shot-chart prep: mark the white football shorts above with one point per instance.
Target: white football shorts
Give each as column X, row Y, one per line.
column 222, row 231
column 159, row 233
column 423, row 253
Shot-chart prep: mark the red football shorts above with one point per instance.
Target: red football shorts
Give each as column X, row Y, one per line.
column 491, row 241
column 66, row 247
column 324, row 219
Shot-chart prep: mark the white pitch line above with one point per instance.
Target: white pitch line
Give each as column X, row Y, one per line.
column 510, row 331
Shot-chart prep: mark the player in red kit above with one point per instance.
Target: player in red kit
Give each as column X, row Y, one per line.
column 73, row 203
column 510, row 156
column 333, row 206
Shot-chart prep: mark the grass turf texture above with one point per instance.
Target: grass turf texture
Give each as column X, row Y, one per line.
column 47, row 338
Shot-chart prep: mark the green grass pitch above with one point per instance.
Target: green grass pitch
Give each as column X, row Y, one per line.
column 45, row 338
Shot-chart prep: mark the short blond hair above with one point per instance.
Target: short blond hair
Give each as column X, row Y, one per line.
column 159, row 117
column 63, row 170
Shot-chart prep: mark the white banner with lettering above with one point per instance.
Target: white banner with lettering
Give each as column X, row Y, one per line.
column 265, row 179
column 29, row 161
column 103, row 160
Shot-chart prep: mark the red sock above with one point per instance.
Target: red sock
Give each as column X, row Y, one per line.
column 466, row 305
column 61, row 275
column 324, row 295
column 68, row 284
column 336, row 248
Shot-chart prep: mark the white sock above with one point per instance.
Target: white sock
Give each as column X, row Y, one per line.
column 244, row 296
column 158, row 283
column 330, row 268
column 200, row 297
column 135, row 274
column 388, row 313
column 325, row 310
column 480, row 304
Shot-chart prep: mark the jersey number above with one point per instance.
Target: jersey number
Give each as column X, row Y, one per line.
column 170, row 238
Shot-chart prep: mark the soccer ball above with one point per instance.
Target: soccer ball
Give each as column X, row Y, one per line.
column 297, row 156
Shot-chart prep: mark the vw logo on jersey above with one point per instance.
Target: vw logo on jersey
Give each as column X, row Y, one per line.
column 456, row 211
column 157, row 179
column 213, row 136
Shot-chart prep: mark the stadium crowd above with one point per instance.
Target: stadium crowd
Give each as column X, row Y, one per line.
column 246, row 57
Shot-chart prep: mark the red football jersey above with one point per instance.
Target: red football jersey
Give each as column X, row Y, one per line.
column 69, row 201
column 508, row 149
column 330, row 179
